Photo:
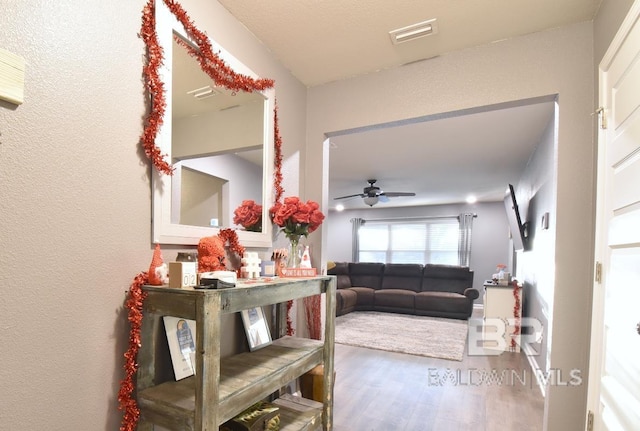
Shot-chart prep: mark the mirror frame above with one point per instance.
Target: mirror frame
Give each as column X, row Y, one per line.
column 165, row 232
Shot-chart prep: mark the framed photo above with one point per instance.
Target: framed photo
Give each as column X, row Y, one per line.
column 181, row 336
column 256, row 327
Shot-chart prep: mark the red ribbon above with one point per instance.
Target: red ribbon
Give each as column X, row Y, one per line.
column 125, row 399
column 516, row 314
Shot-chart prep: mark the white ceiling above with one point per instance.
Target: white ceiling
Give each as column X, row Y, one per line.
column 328, row 40
column 442, row 161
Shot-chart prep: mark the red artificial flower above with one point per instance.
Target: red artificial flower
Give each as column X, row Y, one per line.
column 249, row 215
column 295, row 217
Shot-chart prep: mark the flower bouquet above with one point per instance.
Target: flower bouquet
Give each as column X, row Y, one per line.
column 296, row 218
column 249, row 216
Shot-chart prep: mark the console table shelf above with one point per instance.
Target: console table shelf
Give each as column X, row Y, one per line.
column 222, row 388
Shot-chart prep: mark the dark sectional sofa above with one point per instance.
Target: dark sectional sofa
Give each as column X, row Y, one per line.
column 425, row 290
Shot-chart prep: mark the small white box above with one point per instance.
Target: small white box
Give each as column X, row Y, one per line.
column 182, row 274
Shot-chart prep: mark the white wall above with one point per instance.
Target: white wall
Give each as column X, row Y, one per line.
column 243, row 181
column 75, row 203
column 559, row 62
column 536, row 195
column 489, row 241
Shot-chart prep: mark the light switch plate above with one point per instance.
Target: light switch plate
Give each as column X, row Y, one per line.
column 12, row 68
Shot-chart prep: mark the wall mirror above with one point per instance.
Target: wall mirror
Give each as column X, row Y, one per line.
column 219, row 142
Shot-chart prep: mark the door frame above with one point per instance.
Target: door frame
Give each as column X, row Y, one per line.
column 600, row 247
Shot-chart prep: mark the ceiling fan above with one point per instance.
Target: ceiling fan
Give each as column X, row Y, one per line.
column 372, row 194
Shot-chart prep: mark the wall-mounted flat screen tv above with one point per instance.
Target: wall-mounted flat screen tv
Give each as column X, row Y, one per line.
column 518, row 228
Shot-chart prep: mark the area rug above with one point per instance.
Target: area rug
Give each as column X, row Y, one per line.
column 416, row 335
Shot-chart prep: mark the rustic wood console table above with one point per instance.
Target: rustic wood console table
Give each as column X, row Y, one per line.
column 222, row 388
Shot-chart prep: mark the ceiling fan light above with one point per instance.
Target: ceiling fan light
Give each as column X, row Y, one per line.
column 371, row 200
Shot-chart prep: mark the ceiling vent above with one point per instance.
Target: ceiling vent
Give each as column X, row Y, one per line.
column 203, row 92
column 414, row 31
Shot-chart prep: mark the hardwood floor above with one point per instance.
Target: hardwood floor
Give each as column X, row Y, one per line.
column 384, row 391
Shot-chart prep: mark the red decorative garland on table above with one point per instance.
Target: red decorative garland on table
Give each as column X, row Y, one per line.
column 516, row 313
column 127, row 386
column 230, row 236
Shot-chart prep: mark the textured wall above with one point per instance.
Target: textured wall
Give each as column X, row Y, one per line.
column 75, row 201
column 74, row 210
column 546, row 63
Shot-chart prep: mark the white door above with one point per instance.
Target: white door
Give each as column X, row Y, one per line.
column 614, row 387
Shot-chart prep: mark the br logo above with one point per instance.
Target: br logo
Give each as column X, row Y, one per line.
column 493, row 336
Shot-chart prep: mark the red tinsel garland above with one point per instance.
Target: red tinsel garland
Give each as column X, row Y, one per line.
column 312, row 310
column 209, row 61
column 127, row 386
column 290, row 330
column 222, row 74
column 279, row 190
column 516, row 314
column 277, row 158
column 218, row 70
column 155, row 88
column 231, row 237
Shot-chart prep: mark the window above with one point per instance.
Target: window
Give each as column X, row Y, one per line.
column 415, row 241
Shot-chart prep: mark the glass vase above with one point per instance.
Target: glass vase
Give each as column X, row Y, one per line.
column 295, row 252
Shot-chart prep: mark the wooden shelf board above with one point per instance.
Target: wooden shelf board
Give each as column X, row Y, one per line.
column 244, row 379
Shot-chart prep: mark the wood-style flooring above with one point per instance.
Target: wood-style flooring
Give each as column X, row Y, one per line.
column 384, row 391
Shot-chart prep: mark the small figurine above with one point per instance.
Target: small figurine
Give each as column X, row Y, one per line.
column 305, row 262
column 158, row 271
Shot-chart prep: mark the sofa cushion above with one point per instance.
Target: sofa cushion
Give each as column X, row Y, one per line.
column 366, row 274
column 446, row 278
column 341, row 271
column 442, row 303
column 405, row 276
column 394, row 299
column 345, row 301
column 365, row 298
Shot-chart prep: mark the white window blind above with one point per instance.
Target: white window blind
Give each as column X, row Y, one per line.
column 415, row 241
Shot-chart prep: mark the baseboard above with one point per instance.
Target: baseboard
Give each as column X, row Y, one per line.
column 530, row 354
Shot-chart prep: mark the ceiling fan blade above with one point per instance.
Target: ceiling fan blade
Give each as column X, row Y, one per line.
column 362, row 195
column 397, row 194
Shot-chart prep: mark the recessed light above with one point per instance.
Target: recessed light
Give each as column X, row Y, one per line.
column 471, row 199
column 339, row 207
column 414, row 31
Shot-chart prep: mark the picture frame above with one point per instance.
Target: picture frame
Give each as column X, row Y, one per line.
column 256, row 328
column 181, row 337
